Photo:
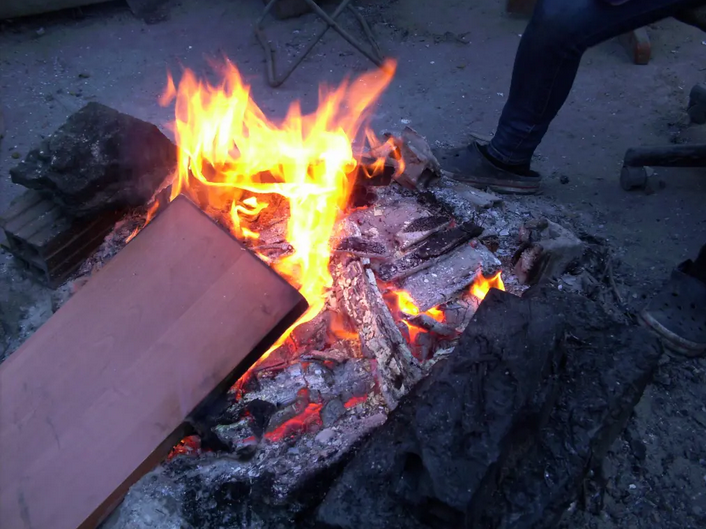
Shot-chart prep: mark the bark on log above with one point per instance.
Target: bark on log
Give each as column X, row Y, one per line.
column 538, row 386
column 398, row 370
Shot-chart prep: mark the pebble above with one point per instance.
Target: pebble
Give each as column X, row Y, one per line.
column 15, row 155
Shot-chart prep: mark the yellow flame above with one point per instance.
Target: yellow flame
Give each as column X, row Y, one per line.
column 482, row 285
column 228, row 147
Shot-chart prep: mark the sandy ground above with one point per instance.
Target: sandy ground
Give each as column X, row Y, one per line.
column 51, row 66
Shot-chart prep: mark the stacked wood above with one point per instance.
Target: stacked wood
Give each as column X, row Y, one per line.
column 52, row 243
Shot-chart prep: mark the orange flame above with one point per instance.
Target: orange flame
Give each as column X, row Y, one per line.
column 300, row 424
column 151, row 212
column 228, row 148
column 482, row 285
column 414, row 331
column 404, row 302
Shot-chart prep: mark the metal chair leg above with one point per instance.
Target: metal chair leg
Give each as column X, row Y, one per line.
column 276, row 80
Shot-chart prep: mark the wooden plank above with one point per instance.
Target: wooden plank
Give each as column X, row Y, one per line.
column 99, row 393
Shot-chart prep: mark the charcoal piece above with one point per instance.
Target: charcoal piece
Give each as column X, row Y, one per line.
column 260, row 411
column 362, row 247
column 547, row 253
column 420, row 166
column 420, row 229
column 608, row 366
column 99, row 160
column 426, row 223
column 502, row 432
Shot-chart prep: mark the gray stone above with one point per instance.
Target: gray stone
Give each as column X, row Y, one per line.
column 99, row 160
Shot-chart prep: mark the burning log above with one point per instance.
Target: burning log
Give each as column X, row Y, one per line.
column 450, row 275
column 504, row 429
column 423, row 257
column 380, row 338
column 99, row 160
column 362, row 248
column 428, row 323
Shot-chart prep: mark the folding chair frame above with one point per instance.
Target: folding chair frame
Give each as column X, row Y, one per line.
column 275, row 80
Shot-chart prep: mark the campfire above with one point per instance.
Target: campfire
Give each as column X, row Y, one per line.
column 408, row 337
column 285, row 189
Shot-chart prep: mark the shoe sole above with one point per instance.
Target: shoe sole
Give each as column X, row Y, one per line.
column 672, row 341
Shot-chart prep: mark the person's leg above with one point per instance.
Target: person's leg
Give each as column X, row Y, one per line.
column 547, row 60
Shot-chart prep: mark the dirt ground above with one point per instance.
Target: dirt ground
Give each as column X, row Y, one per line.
column 454, row 65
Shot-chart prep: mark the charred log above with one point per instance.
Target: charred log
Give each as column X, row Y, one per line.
column 542, row 382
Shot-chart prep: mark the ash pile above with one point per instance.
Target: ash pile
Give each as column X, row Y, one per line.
column 419, row 396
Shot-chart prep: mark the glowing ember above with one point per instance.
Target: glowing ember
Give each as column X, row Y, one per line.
column 232, row 156
column 354, row 401
column 338, row 328
column 482, row 285
column 307, row 421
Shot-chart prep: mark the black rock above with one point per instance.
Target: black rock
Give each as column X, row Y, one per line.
column 505, row 430
column 99, row 160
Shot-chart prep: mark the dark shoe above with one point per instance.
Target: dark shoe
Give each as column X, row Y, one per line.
column 677, row 315
column 469, row 165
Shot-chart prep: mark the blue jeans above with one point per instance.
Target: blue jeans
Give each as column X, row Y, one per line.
column 548, row 57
